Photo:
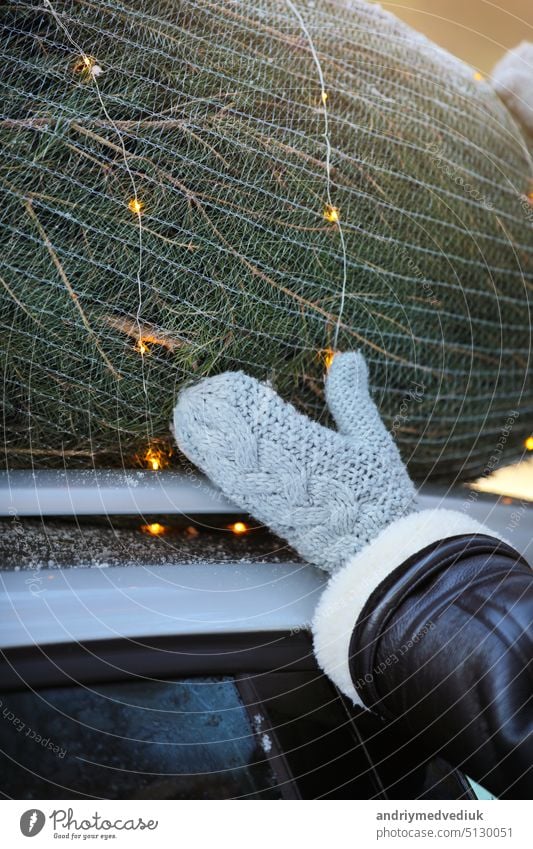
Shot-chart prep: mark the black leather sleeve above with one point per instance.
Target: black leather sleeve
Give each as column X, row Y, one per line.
column 444, row 648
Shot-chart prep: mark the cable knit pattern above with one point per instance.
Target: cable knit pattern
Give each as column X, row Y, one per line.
column 327, row 493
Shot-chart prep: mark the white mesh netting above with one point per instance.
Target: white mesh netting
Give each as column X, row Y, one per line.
column 195, row 186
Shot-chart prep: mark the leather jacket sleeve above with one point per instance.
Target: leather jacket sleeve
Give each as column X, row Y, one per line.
column 444, row 647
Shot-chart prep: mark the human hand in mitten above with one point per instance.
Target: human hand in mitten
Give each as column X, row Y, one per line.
column 393, row 628
column 328, row 493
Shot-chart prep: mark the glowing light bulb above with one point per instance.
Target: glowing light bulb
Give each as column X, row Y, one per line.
column 87, row 66
column 478, row 76
column 327, row 356
column 154, row 459
column 141, row 347
column 528, row 444
column 331, row 213
column 135, row 205
column 156, row 456
column 238, row 528
column 324, row 97
column 155, row 529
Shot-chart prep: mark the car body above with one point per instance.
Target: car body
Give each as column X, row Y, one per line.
column 192, row 675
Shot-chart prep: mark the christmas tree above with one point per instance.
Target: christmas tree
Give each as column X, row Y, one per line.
column 190, row 187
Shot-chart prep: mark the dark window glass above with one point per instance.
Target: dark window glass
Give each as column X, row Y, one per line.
column 267, row 735
column 332, row 751
column 191, row 739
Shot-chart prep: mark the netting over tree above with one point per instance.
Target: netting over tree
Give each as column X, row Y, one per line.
column 189, row 187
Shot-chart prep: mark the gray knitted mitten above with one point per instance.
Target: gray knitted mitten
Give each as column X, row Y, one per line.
column 327, row 493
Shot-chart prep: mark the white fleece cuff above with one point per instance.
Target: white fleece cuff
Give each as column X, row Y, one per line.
column 348, row 590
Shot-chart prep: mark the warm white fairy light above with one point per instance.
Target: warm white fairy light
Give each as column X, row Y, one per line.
column 155, row 458
column 142, row 347
column 135, row 205
column 327, row 356
column 87, row 66
column 331, row 214
column 333, row 210
column 94, row 71
column 155, row 529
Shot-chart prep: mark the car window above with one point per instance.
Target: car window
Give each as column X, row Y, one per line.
column 188, row 739
column 284, row 734
column 336, row 751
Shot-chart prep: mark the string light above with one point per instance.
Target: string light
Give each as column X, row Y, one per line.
column 141, row 347
column 135, row 205
column 94, row 72
column 156, row 455
column 238, row 528
column 154, row 529
column 327, row 356
column 331, row 213
column 145, row 335
column 528, row 444
column 87, row 66
column 155, row 459
column 478, row 76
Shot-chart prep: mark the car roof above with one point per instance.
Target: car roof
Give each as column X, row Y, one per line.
column 66, row 605
column 139, row 598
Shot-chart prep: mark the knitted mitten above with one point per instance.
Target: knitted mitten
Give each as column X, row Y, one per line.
column 327, row 493
column 414, row 607
column 342, row 499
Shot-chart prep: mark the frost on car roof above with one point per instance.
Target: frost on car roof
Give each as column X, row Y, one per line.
column 28, row 543
column 51, row 519
column 100, row 518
